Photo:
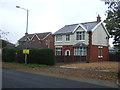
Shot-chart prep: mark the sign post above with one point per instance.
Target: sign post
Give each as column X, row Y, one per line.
column 25, row 51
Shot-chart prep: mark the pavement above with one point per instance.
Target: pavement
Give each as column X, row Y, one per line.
column 86, row 80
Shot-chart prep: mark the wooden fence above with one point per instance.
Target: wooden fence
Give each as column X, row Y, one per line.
column 69, row 59
column 114, row 57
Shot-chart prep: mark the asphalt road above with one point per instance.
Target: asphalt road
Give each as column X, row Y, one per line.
column 20, row 79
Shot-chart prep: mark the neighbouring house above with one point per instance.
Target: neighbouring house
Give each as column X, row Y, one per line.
column 89, row 39
column 37, row 40
column 4, row 43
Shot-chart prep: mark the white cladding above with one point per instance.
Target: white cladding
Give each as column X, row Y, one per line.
column 73, row 40
column 99, row 36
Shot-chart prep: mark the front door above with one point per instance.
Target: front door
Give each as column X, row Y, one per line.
column 67, row 53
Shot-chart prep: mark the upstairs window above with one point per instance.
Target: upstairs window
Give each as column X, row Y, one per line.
column 59, row 38
column 68, row 37
column 80, row 35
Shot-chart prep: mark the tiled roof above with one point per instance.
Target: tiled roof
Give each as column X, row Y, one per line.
column 70, row 28
column 40, row 36
column 90, row 25
column 67, row 29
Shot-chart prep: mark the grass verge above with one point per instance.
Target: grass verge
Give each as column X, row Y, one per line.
column 29, row 65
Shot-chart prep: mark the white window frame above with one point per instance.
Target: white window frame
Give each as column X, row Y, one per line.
column 80, row 51
column 58, row 51
column 100, row 52
column 67, row 37
column 80, row 35
column 58, row 38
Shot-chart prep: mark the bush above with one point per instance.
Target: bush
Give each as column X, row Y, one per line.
column 8, row 54
column 20, row 56
column 36, row 56
column 41, row 56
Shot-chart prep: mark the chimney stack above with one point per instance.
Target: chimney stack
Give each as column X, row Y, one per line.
column 98, row 18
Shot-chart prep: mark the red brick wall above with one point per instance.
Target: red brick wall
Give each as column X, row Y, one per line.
column 68, row 47
column 94, row 53
column 51, row 39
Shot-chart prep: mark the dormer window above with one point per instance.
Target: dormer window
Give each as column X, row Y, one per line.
column 80, row 35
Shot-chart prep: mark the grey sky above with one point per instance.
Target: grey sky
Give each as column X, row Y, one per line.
column 46, row 15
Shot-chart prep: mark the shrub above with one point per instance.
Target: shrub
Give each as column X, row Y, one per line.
column 36, row 56
column 41, row 56
column 20, row 56
column 8, row 54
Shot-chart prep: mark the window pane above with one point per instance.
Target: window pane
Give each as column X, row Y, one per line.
column 67, row 37
column 80, row 35
column 58, row 51
column 79, row 51
column 59, row 38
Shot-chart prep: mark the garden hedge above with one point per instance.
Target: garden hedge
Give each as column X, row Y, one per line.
column 8, row 54
column 36, row 56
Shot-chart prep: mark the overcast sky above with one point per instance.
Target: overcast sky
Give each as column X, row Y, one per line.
column 46, row 15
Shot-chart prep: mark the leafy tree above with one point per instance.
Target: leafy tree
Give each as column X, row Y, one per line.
column 113, row 21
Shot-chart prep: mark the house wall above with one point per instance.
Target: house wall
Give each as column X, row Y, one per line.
column 49, row 40
column 72, row 39
column 94, row 53
column 68, row 47
column 99, row 36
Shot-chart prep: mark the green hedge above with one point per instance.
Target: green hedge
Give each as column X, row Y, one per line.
column 36, row 56
column 8, row 54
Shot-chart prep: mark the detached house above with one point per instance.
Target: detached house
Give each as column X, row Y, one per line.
column 37, row 40
column 88, row 39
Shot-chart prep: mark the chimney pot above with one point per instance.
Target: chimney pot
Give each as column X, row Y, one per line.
column 98, row 18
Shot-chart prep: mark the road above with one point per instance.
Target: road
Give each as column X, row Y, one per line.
column 20, row 79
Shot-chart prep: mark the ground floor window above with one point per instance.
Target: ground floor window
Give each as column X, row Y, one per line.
column 80, row 51
column 58, row 51
column 100, row 53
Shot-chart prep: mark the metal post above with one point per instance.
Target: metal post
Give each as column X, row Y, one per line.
column 26, row 34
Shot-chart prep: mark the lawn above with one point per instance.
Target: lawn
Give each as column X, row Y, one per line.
column 106, row 66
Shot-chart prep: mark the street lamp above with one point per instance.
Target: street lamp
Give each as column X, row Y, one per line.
column 26, row 31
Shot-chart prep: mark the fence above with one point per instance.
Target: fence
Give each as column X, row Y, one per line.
column 114, row 57
column 69, row 59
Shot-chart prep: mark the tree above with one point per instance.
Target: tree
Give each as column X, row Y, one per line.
column 3, row 43
column 3, row 34
column 113, row 21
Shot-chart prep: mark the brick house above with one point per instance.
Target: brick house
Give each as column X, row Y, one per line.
column 89, row 39
column 37, row 40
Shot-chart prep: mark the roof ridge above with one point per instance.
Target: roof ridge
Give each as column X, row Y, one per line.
column 81, row 23
column 72, row 24
column 89, row 22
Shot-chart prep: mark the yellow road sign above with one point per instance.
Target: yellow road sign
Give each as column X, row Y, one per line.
column 25, row 51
